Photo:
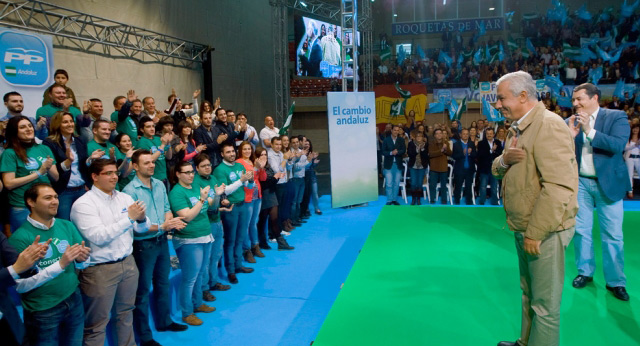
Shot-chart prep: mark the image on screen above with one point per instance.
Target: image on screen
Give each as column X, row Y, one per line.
column 318, row 48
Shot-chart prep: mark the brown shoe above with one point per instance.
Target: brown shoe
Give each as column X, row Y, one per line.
column 256, row 251
column 286, row 225
column 204, row 308
column 192, row 320
column 248, row 256
column 233, row 279
column 208, row 297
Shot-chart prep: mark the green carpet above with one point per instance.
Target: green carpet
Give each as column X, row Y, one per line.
column 448, row 276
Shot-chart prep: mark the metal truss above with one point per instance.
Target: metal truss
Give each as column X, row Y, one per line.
column 280, row 59
column 325, row 9
column 349, row 24
column 84, row 32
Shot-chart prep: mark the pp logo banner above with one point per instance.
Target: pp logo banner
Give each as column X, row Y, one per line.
column 25, row 59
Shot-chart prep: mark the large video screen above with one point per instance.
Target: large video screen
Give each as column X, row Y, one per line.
column 319, row 48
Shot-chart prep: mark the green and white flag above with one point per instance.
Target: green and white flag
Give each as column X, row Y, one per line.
column 385, row 53
column 398, row 106
column 10, row 71
column 512, row 44
column 287, row 123
column 461, row 109
column 570, row 51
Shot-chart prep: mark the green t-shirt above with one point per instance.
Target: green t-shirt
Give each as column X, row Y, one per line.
column 49, row 110
column 152, row 145
column 127, row 126
column 63, row 234
column 227, row 175
column 93, row 146
column 180, row 198
column 10, row 162
column 201, row 183
column 123, row 181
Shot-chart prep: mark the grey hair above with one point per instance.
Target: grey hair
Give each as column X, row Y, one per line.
column 518, row 82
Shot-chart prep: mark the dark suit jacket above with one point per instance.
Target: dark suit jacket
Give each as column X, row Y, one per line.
column 485, row 157
column 201, row 136
column 59, row 153
column 458, row 156
column 413, row 152
column 612, row 132
column 388, row 147
column 315, row 57
column 8, row 256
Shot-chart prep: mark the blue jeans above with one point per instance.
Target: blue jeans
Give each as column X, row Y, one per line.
column 392, row 180
column 488, row 179
column 66, row 199
column 17, row 216
column 235, row 224
column 152, row 258
column 253, row 211
column 194, row 262
column 296, row 198
column 434, row 178
column 417, row 177
column 610, row 215
column 211, row 276
column 62, row 324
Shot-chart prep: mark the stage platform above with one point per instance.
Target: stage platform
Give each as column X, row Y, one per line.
column 447, row 276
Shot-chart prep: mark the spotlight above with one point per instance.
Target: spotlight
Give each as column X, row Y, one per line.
column 303, row 4
column 491, row 8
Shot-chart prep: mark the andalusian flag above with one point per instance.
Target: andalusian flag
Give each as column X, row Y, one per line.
column 287, row 123
column 461, row 109
column 10, row 71
column 385, row 53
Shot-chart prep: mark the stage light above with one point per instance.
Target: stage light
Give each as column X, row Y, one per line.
column 491, row 8
column 395, row 14
column 444, row 2
column 303, row 4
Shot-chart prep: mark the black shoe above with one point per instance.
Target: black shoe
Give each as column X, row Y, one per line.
column 395, row 203
column 580, row 281
column 265, row 246
column 389, row 203
column 174, row 327
column 301, row 221
column 508, row 343
column 244, row 270
column 619, row 292
column 295, row 224
column 220, row 287
column 233, row 279
column 150, row 343
column 282, row 244
column 319, row 212
column 208, row 297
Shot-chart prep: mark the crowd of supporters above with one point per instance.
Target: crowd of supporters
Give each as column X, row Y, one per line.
column 111, row 194
column 428, row 151
column 544, row 46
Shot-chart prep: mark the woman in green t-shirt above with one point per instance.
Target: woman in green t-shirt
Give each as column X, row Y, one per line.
column 124, row 153
column 193, row 243
column 23, row 164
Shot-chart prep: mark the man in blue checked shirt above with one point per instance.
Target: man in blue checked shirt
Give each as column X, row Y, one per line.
column 151, row 249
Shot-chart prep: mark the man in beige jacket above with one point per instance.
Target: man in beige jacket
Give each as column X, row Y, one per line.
column 539, row 184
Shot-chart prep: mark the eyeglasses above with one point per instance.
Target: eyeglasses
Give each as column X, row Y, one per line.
column 111, row 173
column 188, row 172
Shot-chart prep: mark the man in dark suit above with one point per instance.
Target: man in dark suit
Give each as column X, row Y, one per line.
column 464, row 154
column 600, row 138
column 315, row 57
column 12, row 266
column 488, row 150
column 206, row 134
column 393, row 149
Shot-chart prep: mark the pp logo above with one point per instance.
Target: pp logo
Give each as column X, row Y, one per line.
column 25, row 60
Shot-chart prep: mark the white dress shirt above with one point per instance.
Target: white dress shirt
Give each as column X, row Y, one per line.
column 587, row 169
column 103, row 221
column 267, row 133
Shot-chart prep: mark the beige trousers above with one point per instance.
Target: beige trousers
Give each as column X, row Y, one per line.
column 541, row 281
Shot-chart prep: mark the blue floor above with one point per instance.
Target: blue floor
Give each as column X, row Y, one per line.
column 286, row 299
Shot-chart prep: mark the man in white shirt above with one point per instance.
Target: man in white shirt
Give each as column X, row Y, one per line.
column 269, row 131
column 106, row 219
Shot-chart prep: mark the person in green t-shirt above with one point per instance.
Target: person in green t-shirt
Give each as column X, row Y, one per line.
column 236, row 222
column 159, row 147
column 123, row 155
column 128, row 116
column 193, row 243
column 59, row 102
column 23, row 164
column 59, row 291
column 203, row 178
